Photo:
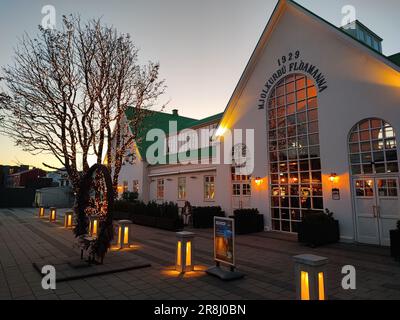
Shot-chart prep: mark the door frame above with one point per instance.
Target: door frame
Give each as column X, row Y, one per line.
column 374, row 177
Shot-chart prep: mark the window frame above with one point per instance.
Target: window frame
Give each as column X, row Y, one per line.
column 160, row 189
column 208, row 186
column 180, row 197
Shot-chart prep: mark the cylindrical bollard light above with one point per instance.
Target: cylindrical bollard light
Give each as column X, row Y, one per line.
column 42, row 212
column 94, row 222
column 53, row 214
column 68, row 220
column 184, row 251
column 310, row 273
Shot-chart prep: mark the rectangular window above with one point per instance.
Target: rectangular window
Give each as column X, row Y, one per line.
column 236, row 189
column 135, row 186
column 125, row 188
column 246, row 189
column 209, row 188
column 182, row 188
column 160, row 189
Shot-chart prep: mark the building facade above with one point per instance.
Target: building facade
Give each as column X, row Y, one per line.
column 324, row 104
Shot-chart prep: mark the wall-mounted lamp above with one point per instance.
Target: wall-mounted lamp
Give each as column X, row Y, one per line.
column 333, row 177
column 258, row 181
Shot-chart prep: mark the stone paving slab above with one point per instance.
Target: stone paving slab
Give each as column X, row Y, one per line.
column 265, row 258
column 67, row 272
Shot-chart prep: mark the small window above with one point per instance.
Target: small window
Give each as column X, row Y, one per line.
column 182, row 188
column 246, row 189
column 125, row 188
column 236, row 189
column 209, row 188
column 160, row 189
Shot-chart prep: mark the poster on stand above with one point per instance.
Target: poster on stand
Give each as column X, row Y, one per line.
column 224, row 240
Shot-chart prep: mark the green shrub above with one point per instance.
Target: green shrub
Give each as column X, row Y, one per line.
column 203, row 217
column 246, row 211
column 130, row 196
column 152, row 209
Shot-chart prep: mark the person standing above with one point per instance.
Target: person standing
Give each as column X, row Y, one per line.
column 186, row 213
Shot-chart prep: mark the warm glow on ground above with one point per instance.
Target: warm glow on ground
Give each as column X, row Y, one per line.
column 199, row 271
column 132, row 247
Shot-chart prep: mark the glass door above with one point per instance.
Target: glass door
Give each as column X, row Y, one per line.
column 241, row 191
column 377, row 208
column 388, row 207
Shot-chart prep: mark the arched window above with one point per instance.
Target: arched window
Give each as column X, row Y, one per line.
column 294, row 153
column 373, row 148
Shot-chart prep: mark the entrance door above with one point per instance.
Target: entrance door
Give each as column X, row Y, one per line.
column 241, row 195
column 377, row 208
column 241, row 188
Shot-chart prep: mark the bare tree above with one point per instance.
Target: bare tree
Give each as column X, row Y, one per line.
column 67, row 92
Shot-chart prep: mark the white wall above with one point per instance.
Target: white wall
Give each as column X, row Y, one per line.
column 360, row 86
column 194, row 184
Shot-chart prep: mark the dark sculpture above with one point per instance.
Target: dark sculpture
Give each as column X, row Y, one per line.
column 106, row 234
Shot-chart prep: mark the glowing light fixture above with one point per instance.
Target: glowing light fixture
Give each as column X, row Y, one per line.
column 333, row 177
column 184, row 251
column 310, row 277
column 68, row 220
column 94, row 222
column 122, row 234
column 42, row 211
column 258, row 181
column 53, row 214
column 220, row 131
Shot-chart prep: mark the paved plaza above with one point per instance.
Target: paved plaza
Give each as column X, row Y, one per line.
column 265, row 258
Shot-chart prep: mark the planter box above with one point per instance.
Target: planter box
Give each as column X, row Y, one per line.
column 318, row 233
column 248, row 223
column 395, row 244
column 203, row 217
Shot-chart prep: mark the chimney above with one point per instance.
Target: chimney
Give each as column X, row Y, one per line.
column 175, row 112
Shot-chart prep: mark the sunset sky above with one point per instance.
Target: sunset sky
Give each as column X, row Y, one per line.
column 202, row 46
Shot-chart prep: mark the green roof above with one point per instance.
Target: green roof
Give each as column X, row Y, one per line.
column 395, row 58
column 211, row 119
column 161, row 120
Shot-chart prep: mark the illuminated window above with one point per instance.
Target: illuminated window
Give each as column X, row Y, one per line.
column 160, row 189
column 373, row 148
column 125, row 186
column 135, row 186
column 209, row 188
column 182, row 188
column 294, row 152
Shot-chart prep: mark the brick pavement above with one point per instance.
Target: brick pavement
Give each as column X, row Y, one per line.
column 265, row 258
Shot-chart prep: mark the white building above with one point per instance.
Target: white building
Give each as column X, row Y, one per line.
column 325, row 106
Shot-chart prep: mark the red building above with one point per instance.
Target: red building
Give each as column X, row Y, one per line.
column 26, row 178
